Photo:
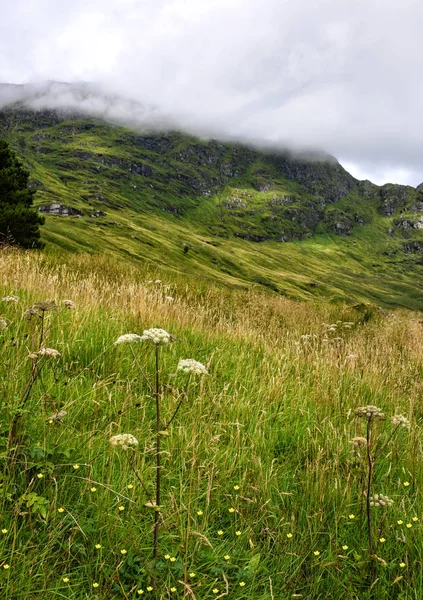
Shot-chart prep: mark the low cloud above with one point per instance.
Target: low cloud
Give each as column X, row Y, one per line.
column 335, row 75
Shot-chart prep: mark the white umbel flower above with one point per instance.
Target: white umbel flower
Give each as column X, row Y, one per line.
column 157, row 336
column 380, row 500
column 400, row 421
column 128, row 338
column 69, row 304
column 3, row 324
column 48, row 352
column 189, row 365
column 10, row 299
column 370, row 412
column 125, row 440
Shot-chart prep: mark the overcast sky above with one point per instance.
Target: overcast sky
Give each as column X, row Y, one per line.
column 342, row 75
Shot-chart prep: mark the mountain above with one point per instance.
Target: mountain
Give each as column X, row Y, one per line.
column 298, row 224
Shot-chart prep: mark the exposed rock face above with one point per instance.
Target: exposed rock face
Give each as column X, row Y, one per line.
column 407, row 223
column 415, row 246
column 395, row 198
column 58, row 209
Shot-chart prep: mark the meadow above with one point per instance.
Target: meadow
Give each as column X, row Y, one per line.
column 263, row 495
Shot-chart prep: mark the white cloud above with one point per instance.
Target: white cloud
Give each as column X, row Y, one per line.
column 340, row 75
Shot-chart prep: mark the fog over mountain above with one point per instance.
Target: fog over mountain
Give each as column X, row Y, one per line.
column 335, row 75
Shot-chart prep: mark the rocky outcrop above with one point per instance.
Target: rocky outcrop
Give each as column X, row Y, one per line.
column 58, row 209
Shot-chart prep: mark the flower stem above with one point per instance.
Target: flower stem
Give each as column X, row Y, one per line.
column 158, row 459
column 368, row 507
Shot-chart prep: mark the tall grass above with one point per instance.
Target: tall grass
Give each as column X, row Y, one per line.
column 262, row 494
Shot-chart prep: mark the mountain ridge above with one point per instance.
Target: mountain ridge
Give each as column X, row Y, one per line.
column 182, row 202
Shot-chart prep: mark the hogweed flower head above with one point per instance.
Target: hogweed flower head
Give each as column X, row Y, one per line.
column 400, row 421
column 69, row 304
column 370, row 413
column 157, row 336
column 358, row 441
column 10, row 299
column 189, row 365
column 49, row 352
column 44, row 306
column 380, row 500
column 57, row 417
column 125, row 440
column 128, row 338
column 3, row 324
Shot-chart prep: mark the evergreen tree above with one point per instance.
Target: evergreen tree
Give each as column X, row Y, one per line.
column 19, row 222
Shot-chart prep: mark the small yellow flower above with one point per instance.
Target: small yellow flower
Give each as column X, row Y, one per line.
column 97, row 546
column 316, row 553
column 242, row 583
column 95, row 585
column 123, row 551
column 231, row 510
column 93, row 489
column 65, row 579
column 382, row 540
column 406, row 483
column 351, row 516
column 402, row 565
column 167, row 556
column 51, row 421
column 121, row 508
column 40, row 475
column 60, row 510
column 140, row 592
column 345, row 547
column 172, row 559
column 215, row 591
column 409, row 525
column 130, row 486
column 220, row 532
column 236, row 487
column 149, row 588
column 238, row 533
column 289, row 535
column 6, row 567
column 415, row 519
column 4, row 531
column 173, row 590
column 400, row 522
column 76, row 467
column 226, row 557
column 199, row 513
column 192, row 575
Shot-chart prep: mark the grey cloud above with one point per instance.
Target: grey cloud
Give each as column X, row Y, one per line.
column 339, row 75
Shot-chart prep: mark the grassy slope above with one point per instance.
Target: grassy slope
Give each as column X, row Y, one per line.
column 161, row 220
column 274, row 417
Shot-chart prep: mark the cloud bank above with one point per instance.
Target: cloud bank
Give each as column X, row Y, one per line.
column 338, row 75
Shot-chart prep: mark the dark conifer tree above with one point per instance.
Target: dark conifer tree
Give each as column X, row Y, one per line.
column 19, row 222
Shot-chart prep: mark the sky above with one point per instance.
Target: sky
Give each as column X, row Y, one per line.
column 338, row 75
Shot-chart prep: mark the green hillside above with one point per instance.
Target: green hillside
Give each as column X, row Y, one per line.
column 302, row 227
